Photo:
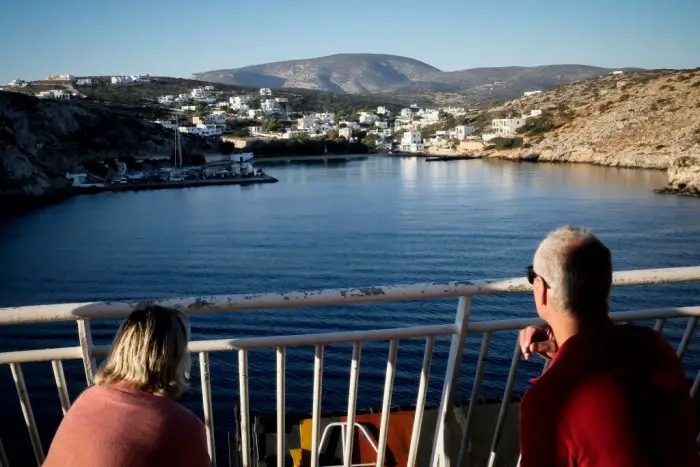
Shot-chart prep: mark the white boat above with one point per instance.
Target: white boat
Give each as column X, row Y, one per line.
column 241, row 157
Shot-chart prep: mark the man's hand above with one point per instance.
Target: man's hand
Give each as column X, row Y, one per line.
column 539, row 340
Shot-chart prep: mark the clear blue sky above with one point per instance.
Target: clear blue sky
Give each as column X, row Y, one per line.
column 179, row 37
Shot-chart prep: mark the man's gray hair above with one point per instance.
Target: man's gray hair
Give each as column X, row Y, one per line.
column 578, row 269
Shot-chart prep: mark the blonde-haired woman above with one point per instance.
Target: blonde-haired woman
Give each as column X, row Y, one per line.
column 130, row 417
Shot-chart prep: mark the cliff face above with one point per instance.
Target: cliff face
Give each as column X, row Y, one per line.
column 641, row 120
column 40, row 140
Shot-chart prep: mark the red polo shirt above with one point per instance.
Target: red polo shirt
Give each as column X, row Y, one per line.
column 613, row 397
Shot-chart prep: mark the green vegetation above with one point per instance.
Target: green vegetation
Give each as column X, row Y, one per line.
column 370, row 141
column 537, row 125
column 271, row 125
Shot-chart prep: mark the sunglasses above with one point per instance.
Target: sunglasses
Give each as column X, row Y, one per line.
column 532, row 275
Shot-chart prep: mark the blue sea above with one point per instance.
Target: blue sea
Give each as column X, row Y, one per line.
column 372, row 221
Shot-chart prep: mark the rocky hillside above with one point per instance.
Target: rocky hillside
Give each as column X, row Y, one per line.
column 646, row 120
column 358, row 73
column 40, row 140
column 353, row 73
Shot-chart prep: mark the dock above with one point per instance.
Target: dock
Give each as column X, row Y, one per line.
column 173, row 184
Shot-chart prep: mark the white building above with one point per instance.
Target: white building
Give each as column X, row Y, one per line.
column 207, row 129
column 382, row 125
column 198, row 93
column 367, row 118
column 412, row 141
column 269, row 106
column 211, row 119
column 462, row 131
column 345, row 133
column 531, row 93
column 535, row 113
column 325, row 117
column 408, row 113
column 84, row 82
column 167, row 124
column 166, row 100
column 507, row 126
column 188, row 108
column 17, row 83
column 239, row 102
column 265, row 91
column 209, row 88
column 430, row 115
column 618, row 72
column 381, row 110
column 307, row 122
column 252, row 113
column 53, row 94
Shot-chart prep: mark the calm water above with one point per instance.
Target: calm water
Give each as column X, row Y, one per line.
column 360, row 223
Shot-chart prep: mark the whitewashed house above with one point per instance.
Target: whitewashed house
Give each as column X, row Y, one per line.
column 381, row 110
column 345, row 133
column 211, row 119
column 430, row 115
column 367, row 118
column 188, row 108
column 531, row 93
column 209, row 88
column 325, row 117
column 265, row 92
column 166, row 100
column 269, row 106
column 307, row 122
column 167, row 124
column 407, row 113
column 412, row 141
column 58, row 94
column 507, row 126
column 84, row 82
column 17, row 83
column 618, row 72
column 239, row 102
column 462, row 131
column 198, row 93
column 382, row 125
column 535, row 113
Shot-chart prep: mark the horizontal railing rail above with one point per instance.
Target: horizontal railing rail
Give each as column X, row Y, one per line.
column 84, row 313
column 262, row 301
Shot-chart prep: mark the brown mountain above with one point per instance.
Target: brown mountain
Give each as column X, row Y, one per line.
column 360, row 73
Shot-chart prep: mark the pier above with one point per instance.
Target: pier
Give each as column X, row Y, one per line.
column 82, row 190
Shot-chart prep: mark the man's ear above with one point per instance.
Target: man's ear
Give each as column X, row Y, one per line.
column 542, row 291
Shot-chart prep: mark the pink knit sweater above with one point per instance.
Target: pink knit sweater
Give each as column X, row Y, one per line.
column 115, row 425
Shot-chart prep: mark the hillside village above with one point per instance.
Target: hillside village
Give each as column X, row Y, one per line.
column 644, row 119
column 243, row 118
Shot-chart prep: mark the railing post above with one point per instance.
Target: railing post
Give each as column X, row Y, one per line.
column 316, row 414
column 245, row 420
column 500, row 423
column 451, row 379
column 85, row 337
column 474, row 397
column 687, row 336
column 352, row 403
column 60, row 378
column 420, row 402
column 205, row 376
column 386, row 403
column 281, row 363
column 18, row 377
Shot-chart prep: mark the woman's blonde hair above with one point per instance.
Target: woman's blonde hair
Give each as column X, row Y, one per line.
column 150, row 352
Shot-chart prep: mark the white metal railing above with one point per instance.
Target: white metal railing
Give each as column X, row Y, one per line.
column 83, row 313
